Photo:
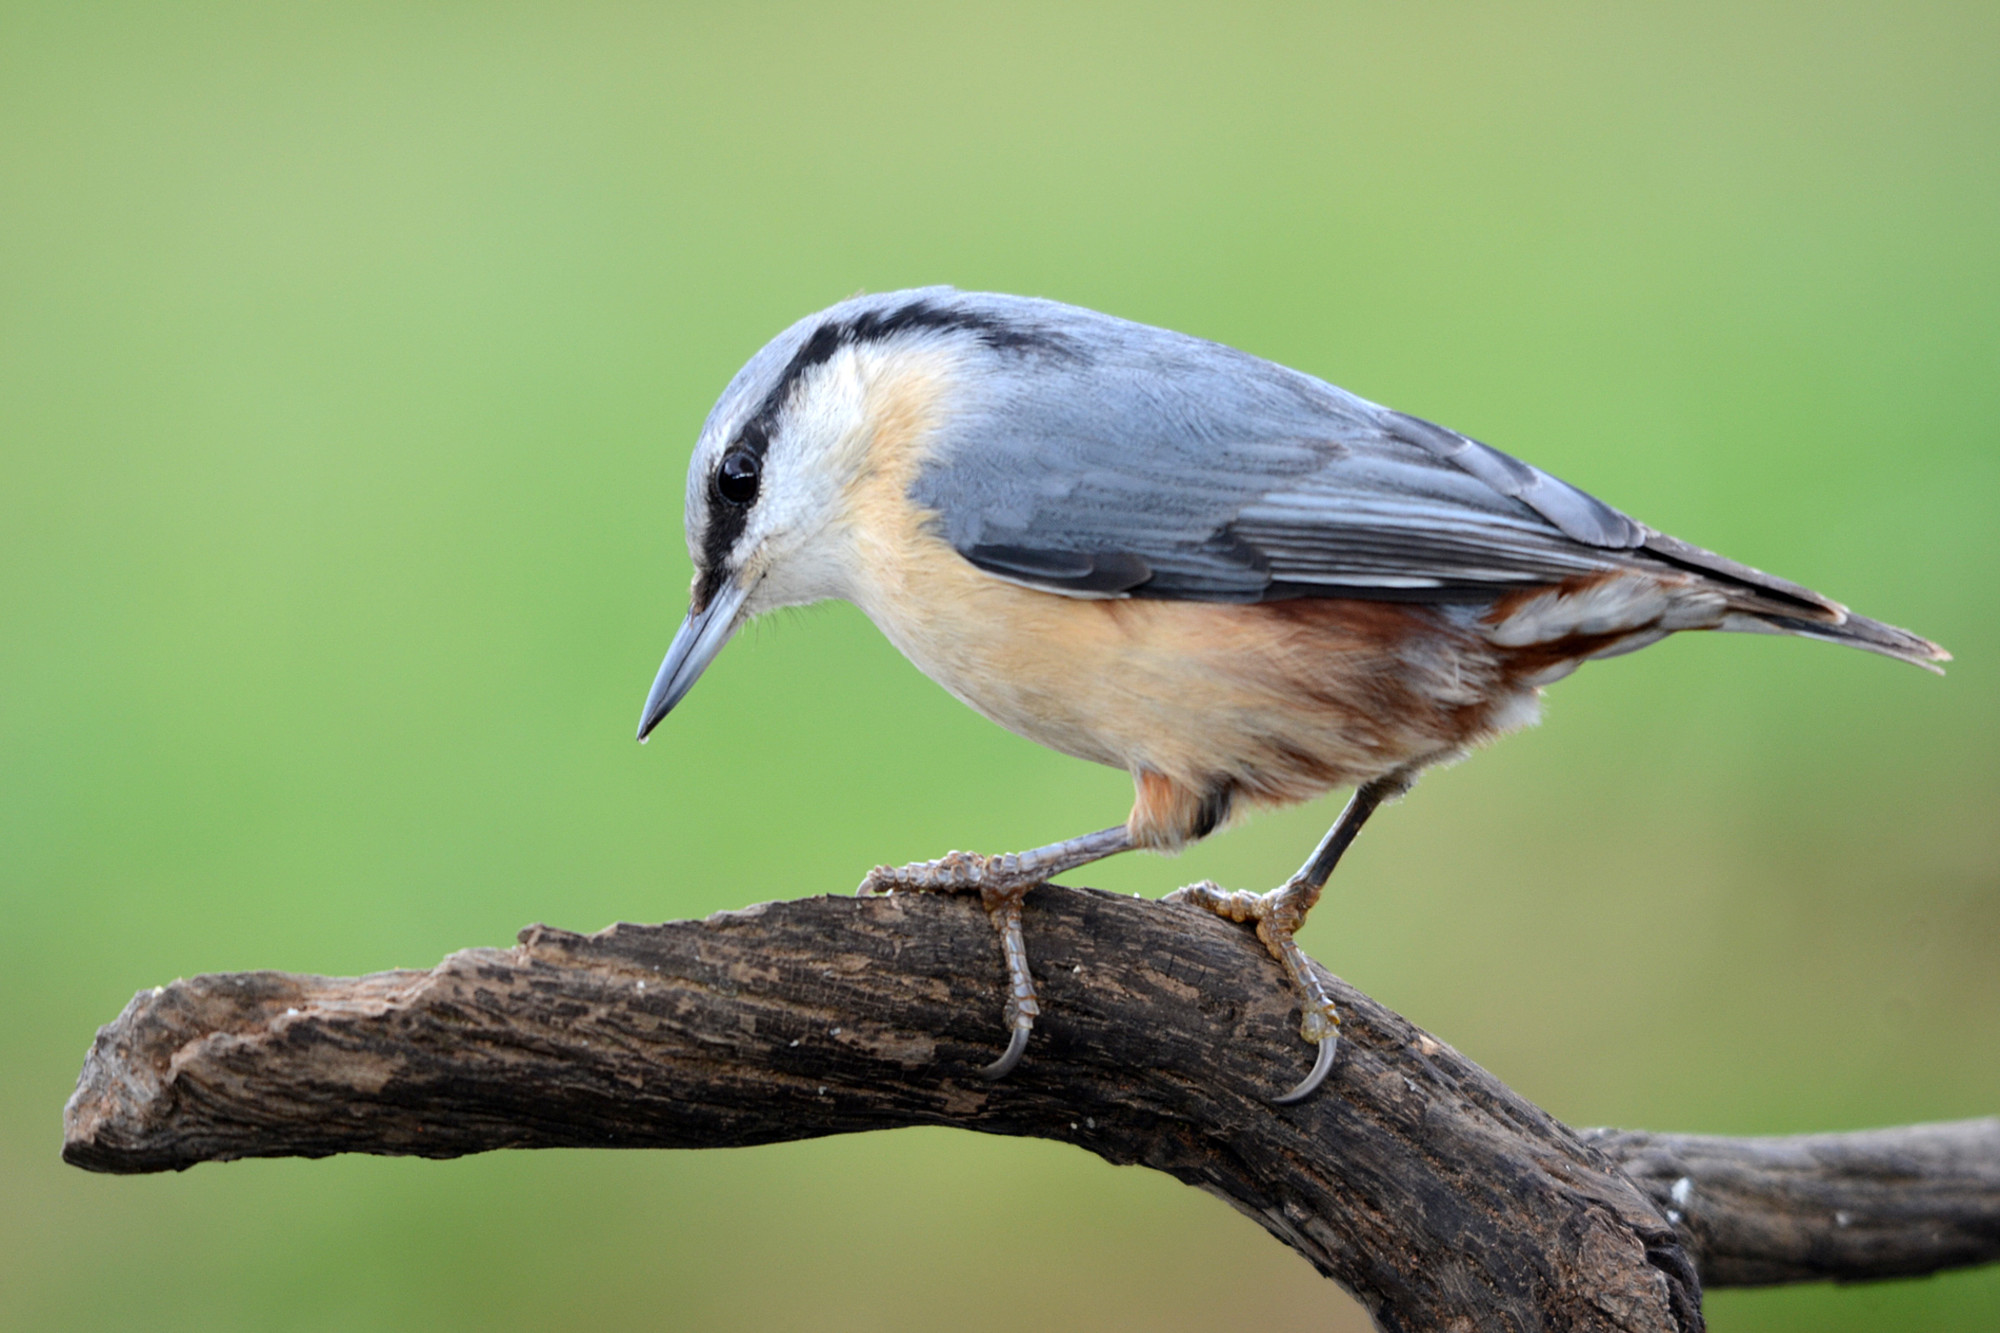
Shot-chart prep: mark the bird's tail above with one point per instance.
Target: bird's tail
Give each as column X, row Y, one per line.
column 1854, row 631
column 1762, row 603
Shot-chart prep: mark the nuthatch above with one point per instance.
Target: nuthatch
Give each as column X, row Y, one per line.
column 1238, row 583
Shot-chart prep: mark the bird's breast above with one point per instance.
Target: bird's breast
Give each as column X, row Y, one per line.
column 1277, row 702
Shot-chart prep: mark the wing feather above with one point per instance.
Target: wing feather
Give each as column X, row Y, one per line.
column 1151, row 464
column 1124, row 460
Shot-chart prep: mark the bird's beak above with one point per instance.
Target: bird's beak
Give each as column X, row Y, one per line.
column 695, row 645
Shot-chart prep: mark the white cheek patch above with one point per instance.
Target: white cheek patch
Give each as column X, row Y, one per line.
column 823, row 431
column 830, row 437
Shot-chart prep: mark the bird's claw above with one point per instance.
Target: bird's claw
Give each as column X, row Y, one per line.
column 1016, row 1044
column 1002, row 883
column 1323, row 1065
column 1276, row 916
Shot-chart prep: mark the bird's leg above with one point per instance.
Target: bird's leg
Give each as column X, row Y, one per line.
column 1002, row 883
column 1279, row 914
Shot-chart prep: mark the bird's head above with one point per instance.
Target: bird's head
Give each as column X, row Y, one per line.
column 769, row 487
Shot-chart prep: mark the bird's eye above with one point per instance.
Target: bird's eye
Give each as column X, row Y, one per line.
column 736, row 480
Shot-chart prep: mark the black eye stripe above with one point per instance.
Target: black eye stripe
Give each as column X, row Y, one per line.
column 727, row 514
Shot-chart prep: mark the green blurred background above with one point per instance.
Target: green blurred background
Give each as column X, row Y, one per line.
column 350, row 356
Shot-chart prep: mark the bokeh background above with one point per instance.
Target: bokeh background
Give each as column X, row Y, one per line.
column 350, row 356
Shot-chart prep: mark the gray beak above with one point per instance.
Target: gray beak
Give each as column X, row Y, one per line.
column 695, row 645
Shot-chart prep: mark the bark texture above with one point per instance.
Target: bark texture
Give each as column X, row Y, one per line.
column 1810, row 1207
column 1430, row 1190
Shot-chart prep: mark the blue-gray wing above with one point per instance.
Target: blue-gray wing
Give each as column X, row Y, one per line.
column 1096, row 457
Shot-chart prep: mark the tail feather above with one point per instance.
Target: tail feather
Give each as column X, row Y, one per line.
column 1855, row 631
column 1761, row 603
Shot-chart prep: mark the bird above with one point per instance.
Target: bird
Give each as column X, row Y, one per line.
column 1242, row 585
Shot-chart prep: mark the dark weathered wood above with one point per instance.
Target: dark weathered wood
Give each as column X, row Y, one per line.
column 1809, row 1207
column 1417, row 1180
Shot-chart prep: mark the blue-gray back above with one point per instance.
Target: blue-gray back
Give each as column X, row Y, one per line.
column 1101, row 456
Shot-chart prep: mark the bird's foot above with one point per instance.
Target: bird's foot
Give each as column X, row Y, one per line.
column 1277, row 916
column 958, row 872
column 1002, row 883
column 1003, row 909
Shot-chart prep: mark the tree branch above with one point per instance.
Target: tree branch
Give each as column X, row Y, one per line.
column 1421, row 1183
column 1810, row 1207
